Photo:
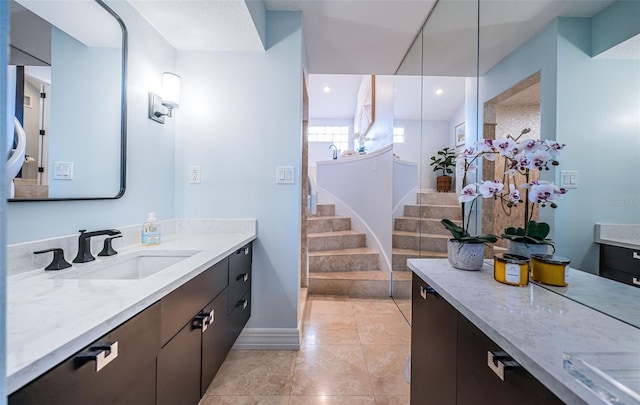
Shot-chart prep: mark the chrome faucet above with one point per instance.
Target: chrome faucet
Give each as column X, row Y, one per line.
column 84, row 243
column 335, row 151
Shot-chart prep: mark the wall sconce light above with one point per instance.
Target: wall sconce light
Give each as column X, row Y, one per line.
column 160, row 107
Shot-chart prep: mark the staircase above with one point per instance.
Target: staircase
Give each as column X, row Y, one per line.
column 419, row 233
column 339, row 261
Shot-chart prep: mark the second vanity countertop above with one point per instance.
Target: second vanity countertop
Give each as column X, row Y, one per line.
column 532, row 324
column 49, row 318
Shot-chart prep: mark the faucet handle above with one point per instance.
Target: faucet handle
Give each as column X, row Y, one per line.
column 107, row 249
column 58, row 262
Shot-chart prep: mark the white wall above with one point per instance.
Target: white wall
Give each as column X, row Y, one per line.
column 240, row 117
column 381, row 132
column 150, row 153
column 7, row 119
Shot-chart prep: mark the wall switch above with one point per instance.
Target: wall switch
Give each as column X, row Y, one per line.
column 63, row 170
column 194, row 174
column 569, row 178
column 284, row 175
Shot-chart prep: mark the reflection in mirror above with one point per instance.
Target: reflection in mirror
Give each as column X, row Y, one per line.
column 435, row 95
column 571, row 74
column 67, row 65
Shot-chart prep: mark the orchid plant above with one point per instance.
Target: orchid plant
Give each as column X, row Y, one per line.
column 520, row 157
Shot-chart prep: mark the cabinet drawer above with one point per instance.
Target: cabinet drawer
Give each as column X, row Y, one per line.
column 126, row 377
column 238, row 317
column 239, row 275
column 623, row 277
column 179, row 306
column 622, row 259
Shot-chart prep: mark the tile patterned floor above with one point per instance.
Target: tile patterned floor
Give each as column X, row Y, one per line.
column 352, row 353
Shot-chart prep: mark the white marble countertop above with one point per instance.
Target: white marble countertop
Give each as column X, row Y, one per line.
column 620, row 235
column 533, row 325
column 49, row 318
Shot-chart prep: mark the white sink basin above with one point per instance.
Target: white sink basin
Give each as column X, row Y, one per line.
column 130, row 266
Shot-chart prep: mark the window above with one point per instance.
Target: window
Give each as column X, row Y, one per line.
column 398, row 135
column 339, row 136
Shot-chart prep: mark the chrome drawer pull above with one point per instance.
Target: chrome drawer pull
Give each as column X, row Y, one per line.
column 203, row 321
column 636, row 255
column 636, row 281
column 243, row 304
column 243, row 277
column 102, row 354
column 244, row 250
column 424, row 290
column 499, row 362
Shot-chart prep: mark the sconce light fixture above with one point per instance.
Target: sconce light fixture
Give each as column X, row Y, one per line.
column 160, row 107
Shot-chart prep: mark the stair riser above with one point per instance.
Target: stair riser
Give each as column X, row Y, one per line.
column 433, row 211
column 320, row 243
column 401, row 288
column 325, row 210
column 420, row 243
column 350, row 288
column 438, row 198
column 327, row 263
column 423, row 225
column 315, row 225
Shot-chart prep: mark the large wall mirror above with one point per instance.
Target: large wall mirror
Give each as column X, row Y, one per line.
column 68, row 74
column 569, row 71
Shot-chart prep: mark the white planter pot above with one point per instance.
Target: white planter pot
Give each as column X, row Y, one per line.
column 526, row 249
column 465, row 256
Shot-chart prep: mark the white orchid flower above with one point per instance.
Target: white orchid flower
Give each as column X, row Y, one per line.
column 554, row 147
column 490, row 188
column 541, row 193
column 486, row 146
column 514, row 194
column 529, row 145
column 468, row 194
column 539, row 158
column 507, row 147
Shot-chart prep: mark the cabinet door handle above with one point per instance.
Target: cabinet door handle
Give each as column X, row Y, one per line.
column 636, row 281
column 636, row 255
column 102, row 354
column 203, row 321
column 244, row 277
column 499, row 362
column 425, row 290
column 243, row 250
column 243, row 304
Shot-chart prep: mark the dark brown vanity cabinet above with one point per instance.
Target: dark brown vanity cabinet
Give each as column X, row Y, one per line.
column 433, row 348
column 620, row 264
column 118, row 368
column 454, row 362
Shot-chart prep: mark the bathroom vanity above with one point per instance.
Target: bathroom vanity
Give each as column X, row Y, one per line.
column 152, row 339
column 475, row 340
column 619, row 252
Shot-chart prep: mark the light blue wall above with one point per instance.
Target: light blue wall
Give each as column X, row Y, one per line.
column 150, row 154
column 598, row 103
column 615, row 24
column 240, row 117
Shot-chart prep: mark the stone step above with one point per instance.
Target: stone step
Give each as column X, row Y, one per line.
column 401, row 284
column 360, row 284
column 435, row 198
column 399, row 257
column 317, row 224
column 325, row 210
column 335, row 240
column 420, row 241
column 452, row 212
column 422, row 225
column 343, row 260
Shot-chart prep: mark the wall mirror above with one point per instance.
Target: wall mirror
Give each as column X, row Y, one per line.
column 568, row 70
column 68, row 69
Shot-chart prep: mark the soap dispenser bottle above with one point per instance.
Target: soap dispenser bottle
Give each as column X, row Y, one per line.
column 151, row 230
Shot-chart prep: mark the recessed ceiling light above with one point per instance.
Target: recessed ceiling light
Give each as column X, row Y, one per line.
column 326, row 89
column 439, row 91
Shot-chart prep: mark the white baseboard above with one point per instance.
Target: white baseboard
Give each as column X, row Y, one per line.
column 269, row 339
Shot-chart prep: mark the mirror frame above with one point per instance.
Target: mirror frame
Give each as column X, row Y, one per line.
column 123, row 122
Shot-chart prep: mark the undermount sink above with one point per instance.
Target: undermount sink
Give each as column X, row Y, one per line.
column 130, row 266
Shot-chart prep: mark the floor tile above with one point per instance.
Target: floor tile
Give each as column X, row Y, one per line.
column 363, row 306
column 244, row 400
column 383, row 329
column 385, row 365
column 329, row 307
column 254, row 372
column 392, row 400
column 313, row 335
column 331, row 370
column 331, row 321
column 332, row 400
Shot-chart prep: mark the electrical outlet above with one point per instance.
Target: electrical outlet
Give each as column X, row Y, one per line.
column 194, row 174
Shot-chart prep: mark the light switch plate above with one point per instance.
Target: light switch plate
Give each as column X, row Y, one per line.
column 63, row 170
column 194, row 174
column 569, row 178
column 284, row 175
